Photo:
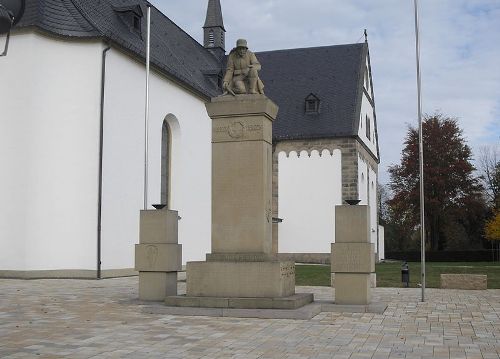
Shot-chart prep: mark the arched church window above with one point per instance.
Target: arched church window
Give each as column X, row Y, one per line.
column 166, row 140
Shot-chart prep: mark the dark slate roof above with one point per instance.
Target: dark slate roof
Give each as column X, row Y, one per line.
column 173, row 51
column 334, row 74
column 59, row 17
column 214, row 14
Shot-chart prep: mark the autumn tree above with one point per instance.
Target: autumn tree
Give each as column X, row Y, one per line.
column 493, row 228
column 452, row 193
column 492, row 231
column 489, row 166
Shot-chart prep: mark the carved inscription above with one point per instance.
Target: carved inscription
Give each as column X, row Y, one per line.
column 350, row 261
column 252, row 128
column 287, row 270
column 237, row 130
column 221, row 129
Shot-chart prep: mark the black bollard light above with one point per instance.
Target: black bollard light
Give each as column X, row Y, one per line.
column 405, row 275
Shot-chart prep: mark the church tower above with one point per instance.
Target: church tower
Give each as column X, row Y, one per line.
column 214, row 32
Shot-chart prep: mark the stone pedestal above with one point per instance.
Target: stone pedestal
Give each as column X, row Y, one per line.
column 241, row 279
column 353, row 258
column 158, row 256
column 242, row 173
column 243, row 263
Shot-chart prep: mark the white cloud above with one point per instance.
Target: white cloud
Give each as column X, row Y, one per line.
column 460, row 54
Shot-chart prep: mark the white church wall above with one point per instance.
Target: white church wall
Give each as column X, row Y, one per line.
column 362, row 180
column 372, row 195
column 367, row 110
column 309, row 188
column 367, row 180
column 123, row 160
column 381, row 242
column 48, row 152
column 366, row 81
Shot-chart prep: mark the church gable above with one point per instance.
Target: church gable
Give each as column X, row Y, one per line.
column 366, row 120
column 328, row 73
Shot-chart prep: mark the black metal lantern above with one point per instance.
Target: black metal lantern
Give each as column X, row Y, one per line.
column 11, row 12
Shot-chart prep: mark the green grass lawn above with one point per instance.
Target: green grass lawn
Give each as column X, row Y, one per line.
column 389, row 274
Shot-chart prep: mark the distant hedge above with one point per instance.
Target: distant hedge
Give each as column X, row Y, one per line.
column 485, row 255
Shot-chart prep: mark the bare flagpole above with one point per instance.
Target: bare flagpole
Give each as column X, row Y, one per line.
column 420, row 153
column 146, row 114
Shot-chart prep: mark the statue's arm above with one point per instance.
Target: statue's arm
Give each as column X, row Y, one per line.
column 229, row 70
column 254, row 62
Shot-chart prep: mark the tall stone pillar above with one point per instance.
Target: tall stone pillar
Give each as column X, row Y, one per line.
column 242, row 262
column 353, row 259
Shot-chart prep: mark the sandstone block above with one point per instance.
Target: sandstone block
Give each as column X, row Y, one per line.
column 352, row 288
column 243, row 279
column 373, row 280
column 158, row 226
column 352, row 224
column 353, row 257
column 158, row 257
column 243, row 105
column 464, row 281
column 156, row 286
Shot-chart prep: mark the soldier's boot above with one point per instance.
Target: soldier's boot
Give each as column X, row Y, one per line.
column 252, row 81
column 252, row 85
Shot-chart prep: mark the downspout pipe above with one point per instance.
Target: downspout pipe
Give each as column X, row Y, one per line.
column 101, row 142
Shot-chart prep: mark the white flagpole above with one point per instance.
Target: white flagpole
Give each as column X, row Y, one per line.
column 146, row 114
column 421, row 153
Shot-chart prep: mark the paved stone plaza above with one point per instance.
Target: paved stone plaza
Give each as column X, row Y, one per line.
column 104, row 319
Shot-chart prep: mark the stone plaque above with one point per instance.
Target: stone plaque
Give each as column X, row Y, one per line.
column 242, row 129
column 158, row 257
column 353, row 258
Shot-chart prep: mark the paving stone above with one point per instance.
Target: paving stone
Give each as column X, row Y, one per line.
column 59, row 318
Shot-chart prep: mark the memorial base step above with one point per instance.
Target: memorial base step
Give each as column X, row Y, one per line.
column 291, row 302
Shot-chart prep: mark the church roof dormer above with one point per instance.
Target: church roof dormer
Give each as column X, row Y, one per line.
column 214, row 15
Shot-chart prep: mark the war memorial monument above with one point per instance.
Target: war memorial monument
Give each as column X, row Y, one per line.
column 243, row 270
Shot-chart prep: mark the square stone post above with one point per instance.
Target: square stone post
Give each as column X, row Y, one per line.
column 352, row 257
column 158, row 256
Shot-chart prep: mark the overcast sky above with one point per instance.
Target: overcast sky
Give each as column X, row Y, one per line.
column 460, row 53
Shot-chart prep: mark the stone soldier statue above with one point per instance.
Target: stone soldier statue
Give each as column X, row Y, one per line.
column 242, row 71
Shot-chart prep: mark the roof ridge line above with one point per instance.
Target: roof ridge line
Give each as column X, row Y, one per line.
column 312, row 47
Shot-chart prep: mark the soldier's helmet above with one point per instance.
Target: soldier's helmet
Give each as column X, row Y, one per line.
column 241, row 43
